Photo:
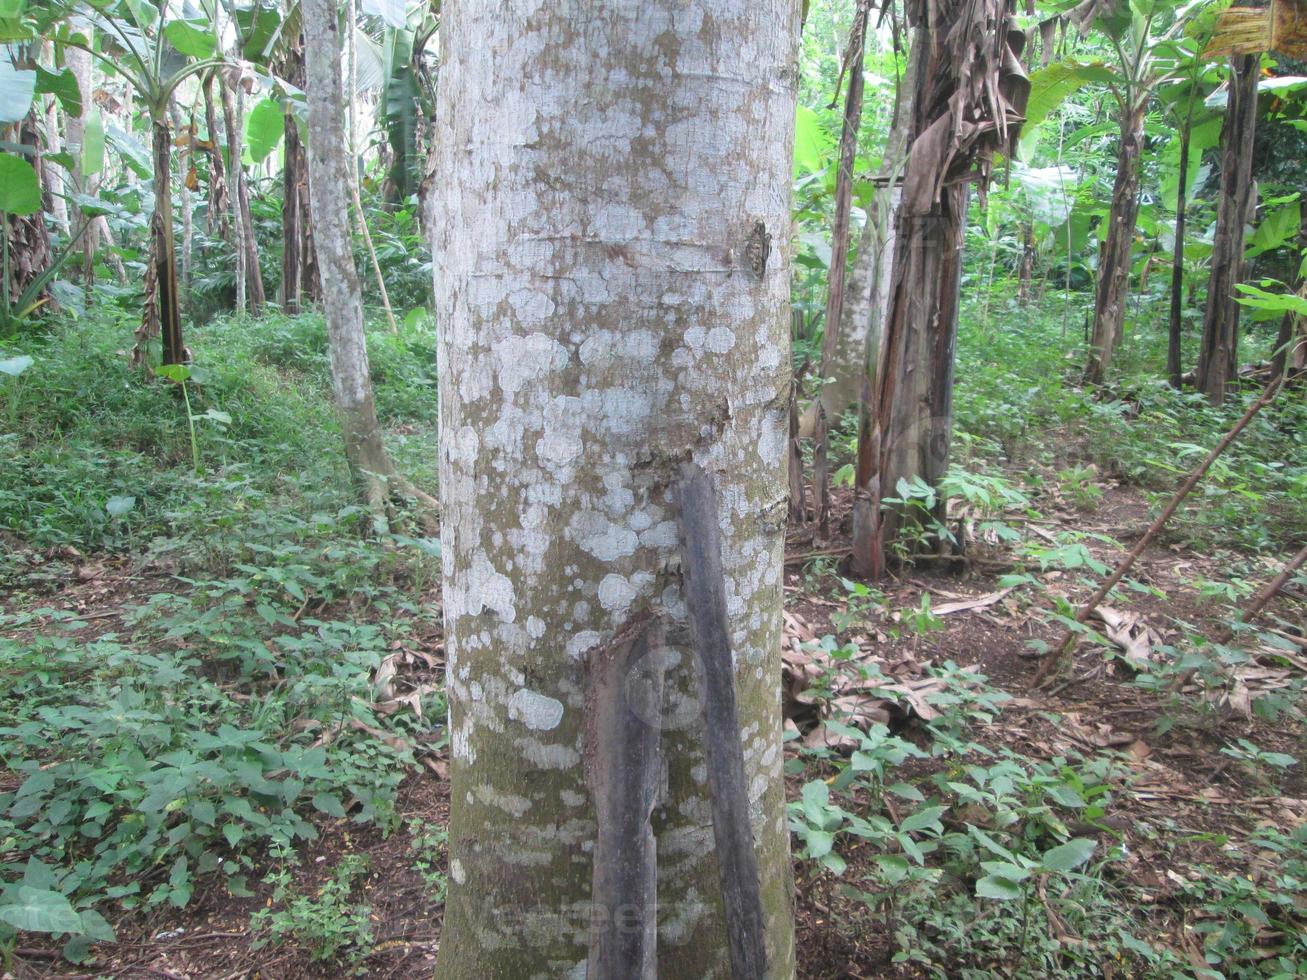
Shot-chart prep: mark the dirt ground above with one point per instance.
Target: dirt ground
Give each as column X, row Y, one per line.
column 1179, row 774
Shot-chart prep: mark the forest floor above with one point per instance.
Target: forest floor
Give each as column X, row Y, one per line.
column 1181, row 805
column 222, row 721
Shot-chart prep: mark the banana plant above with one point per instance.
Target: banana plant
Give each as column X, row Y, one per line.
column 154, row 50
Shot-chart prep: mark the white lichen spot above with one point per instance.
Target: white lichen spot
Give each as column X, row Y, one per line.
column 548, row 756
column 720, row 340
column 600, row 536
column 535, row 627
column 616, row 593
column 570, row 798
column 539, row 712
column 456, row 871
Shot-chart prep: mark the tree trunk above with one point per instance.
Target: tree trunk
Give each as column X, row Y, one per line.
column 1175, row 324
column 965, row 69
column 1218, row 355
column 162, row 251
column 612, row 245
column 29, row 239
column 867, row 294
column 184, row 192
column 1114, row 262
column 329, row 173
column 79, row 62
column 1291, row 343
column 294, row 206
column 247, row 252
column 219, row 222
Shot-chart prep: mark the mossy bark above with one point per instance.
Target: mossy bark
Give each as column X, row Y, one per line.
column 612, row 271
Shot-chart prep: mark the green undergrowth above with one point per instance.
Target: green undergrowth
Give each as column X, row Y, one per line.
column 981, row 861
column 218, row 705
column 1019, row 402
column 98, row 459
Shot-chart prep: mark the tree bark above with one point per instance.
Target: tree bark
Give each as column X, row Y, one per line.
column 611, row 232
column 1218, row 356
column 342, row 299
column 1114, row 262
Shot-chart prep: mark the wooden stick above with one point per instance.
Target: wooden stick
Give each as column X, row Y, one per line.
column 704, row 589
column 1126, row 563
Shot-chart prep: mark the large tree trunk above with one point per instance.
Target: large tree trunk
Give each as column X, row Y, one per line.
column 1218, row 355
column 966, row 69
column 329, row 172
column 611, row 226
column 1114, row 262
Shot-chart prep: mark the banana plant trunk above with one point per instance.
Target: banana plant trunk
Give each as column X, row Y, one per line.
column 969, row 92
column 297, row 270
column 28, row 236
column 1218, row 357
column 612, row 243
column 163, row 252
column 1114, row 260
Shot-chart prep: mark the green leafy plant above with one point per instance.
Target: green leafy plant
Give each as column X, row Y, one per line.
column 328, row 923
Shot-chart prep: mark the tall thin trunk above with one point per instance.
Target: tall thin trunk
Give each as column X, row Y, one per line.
column 249, row 278
column 1218, row 358
column 612, row 269
column 1114, row 261
column 1291, row 343
column 1175, row 323
column 294, row 192
column 837, row 273
column 184, row 192
column 329, row 179
column 867, row 291
column 219, row 222
column 163, row 253
column 351, row 61
column 79, row 62
column 1026, row 270
column 54, row 183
